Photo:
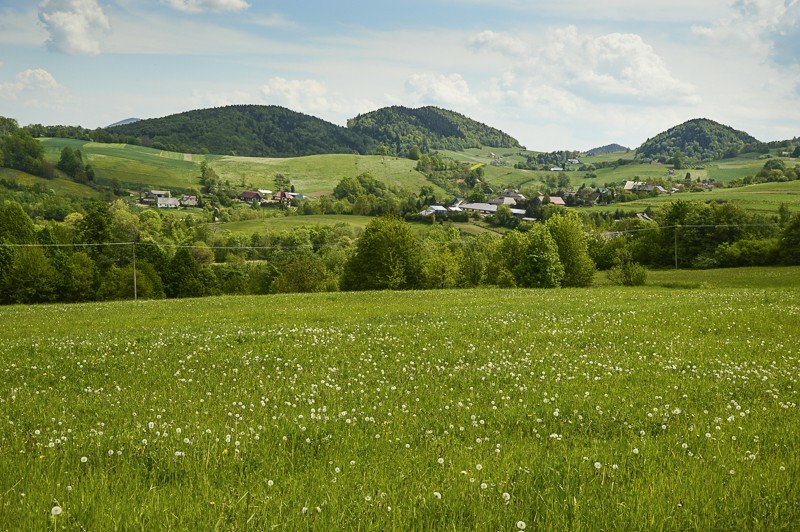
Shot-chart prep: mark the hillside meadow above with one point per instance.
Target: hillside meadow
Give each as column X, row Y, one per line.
column 138, row 167
column 763, row 198
column 669, row 406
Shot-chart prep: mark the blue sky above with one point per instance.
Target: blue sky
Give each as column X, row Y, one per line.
column 566, row 75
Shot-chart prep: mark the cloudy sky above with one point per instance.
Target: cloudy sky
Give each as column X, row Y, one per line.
column 573, row 74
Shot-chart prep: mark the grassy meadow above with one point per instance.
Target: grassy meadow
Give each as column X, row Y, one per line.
column 61, row 187
column 138, row 167
column 764, row 198
column 134, row 167
column 669, row 406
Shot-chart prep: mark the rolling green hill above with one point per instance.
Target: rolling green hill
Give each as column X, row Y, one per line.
column 698, row 139
column 137, row 168
column 249, row 130
column 272, row 131
column 429, row 128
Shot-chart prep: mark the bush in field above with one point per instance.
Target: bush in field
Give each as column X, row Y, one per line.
column 748, row 253
column 31, row 278
column 626, row 271
column 540, row 266
column 118, row 283
column 790, row 241
column 505, row 254
column 388, row 256
column 573, row 249
column 302, row 271
column 443, row 256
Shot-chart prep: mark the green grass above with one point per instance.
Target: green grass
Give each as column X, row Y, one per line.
column 604, row 408
column 133, row 166
column 60, row 187
column 764, row 198
column 137, row 167
column 319, row 174
column 761, row 277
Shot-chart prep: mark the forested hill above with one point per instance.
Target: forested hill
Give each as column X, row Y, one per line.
column 247, row 130
column 699, row 139
column 429, row 128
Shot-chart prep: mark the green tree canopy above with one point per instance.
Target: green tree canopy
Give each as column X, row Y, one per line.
column 387, row 257
column 573, row 249
column 540, row 266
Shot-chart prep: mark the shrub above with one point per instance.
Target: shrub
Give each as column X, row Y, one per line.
column 626, row 271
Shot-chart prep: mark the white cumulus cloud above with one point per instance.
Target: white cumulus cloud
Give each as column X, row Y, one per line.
column 74, row 26
column 615, row 67
column 769, row 27
column 500, row 42
column 451, row 90
column 29, row 83
column 200, row 6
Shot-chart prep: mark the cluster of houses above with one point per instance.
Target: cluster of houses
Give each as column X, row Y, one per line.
column 163, row 200
column 262, row 197
column 508, row 197
column 640, row 186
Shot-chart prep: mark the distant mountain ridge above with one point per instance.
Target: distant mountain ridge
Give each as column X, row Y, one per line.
column 125, row 121
column 610, row 148
column 698, row 139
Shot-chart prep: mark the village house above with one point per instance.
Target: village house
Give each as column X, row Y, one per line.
column 640, row 186
column 188, row 201
column 151, row 197
column 554, row 200
column 168, row 203
column 488, row 208
column 250, row 196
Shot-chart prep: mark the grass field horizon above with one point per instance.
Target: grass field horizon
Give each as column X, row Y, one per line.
column 668, row 406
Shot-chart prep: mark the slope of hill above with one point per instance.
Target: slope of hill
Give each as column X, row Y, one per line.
column 698, row 139
column 248, row 130
column 429, row 128
column 610, row 148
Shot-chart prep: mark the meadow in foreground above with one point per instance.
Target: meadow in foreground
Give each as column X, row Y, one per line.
column 605, row 408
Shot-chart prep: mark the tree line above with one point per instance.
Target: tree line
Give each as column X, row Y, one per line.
column 109, row 251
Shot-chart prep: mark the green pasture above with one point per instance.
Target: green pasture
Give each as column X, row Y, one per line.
column 60, row 187
column 760, row 277
column 319, row 174
column 134, row 167
column 671, row 406
column 764, row 198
